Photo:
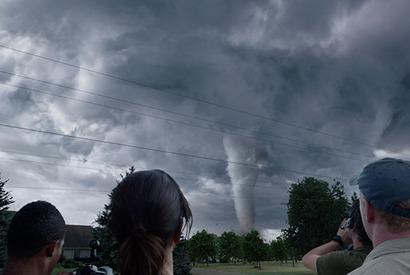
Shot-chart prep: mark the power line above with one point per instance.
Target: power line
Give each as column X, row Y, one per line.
column 120, row 165
column 99, row 190
column 164, row 151
column 60, row 158
column 122, row 144
column 100, row 95
column 198, row 126
column 58, row 189
column 229, row 197
column 105, row 170
column 226, row 183
column 58, row 164
column 107, row 191
column 197, row 177
column 141, row 84
column 93, row 162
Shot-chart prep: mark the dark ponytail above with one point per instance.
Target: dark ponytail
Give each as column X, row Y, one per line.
column 141, row 247
column 148, row 208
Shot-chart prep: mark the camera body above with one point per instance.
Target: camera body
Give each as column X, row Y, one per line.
column 92, row 269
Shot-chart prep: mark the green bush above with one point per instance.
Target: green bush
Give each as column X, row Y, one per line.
column 70, row 264
column 181, row 262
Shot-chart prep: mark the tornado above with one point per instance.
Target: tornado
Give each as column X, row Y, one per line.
column 243, row 177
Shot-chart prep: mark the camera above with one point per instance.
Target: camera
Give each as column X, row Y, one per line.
column 92, row 269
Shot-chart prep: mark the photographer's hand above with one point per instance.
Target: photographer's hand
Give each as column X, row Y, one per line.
column 343, row 232
column 310, row 258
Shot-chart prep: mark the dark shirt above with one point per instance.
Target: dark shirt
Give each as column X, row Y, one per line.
column 342, row 262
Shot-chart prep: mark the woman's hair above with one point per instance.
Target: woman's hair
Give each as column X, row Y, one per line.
column 148, row 208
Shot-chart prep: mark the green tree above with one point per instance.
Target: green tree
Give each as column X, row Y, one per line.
column 279, row 250
column 289, row 236
column 315, row 210
column 110, row 247
column 253, row 248
column 230, row 248
column 193, row 253
column 181, row 263
column 102, row 233
column 5, row 216
column 202, row 247
column 266, row 252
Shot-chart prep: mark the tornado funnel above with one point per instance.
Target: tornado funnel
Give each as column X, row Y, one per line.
column 243, row 177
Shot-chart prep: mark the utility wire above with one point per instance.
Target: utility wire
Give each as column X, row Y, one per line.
column 163, row 151
column 119, row 165
column 58, row 164
column 102, row 96
column 125, row 145
column 85, row 161
column 60, row 158
column 197, row 126
column 227, row 197
column 197, row 178
column 141, row 84
column 105, row 170
column 58, row 189
column 107, row 191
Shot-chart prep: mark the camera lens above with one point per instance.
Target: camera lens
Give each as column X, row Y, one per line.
column 94, row 243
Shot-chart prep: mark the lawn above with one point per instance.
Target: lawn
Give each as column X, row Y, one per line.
column 59, row 268
column 267, row 268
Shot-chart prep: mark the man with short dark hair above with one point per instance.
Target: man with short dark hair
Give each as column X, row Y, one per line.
column 385, row 207
column 328, row 259
column 34, row 239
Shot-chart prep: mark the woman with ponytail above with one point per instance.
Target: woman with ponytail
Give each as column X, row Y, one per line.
column 148, row 214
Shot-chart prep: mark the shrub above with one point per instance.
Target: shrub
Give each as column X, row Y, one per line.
column 70, row 264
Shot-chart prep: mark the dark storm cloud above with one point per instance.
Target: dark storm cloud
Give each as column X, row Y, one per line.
column 327, row 82
column 398, row 130
column 21, row 99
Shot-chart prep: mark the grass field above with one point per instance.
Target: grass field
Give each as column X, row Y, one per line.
column 267, row 268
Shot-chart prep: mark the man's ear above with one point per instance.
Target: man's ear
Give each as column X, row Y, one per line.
column 176, row 238
column 52, row 248
column 354, row 227
column 369, row 208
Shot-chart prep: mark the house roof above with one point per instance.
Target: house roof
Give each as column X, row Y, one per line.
column 78, row 236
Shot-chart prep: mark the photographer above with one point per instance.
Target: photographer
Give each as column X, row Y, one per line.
column 91, row 269
column 329, row 259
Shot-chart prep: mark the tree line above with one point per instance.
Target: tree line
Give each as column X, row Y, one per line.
column 5, row 217
column 314, row 211
column 204, row 247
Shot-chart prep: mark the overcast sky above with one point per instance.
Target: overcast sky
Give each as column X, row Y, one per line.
column 216, row 93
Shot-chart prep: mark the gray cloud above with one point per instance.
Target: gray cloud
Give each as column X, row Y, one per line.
column 322, row 86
